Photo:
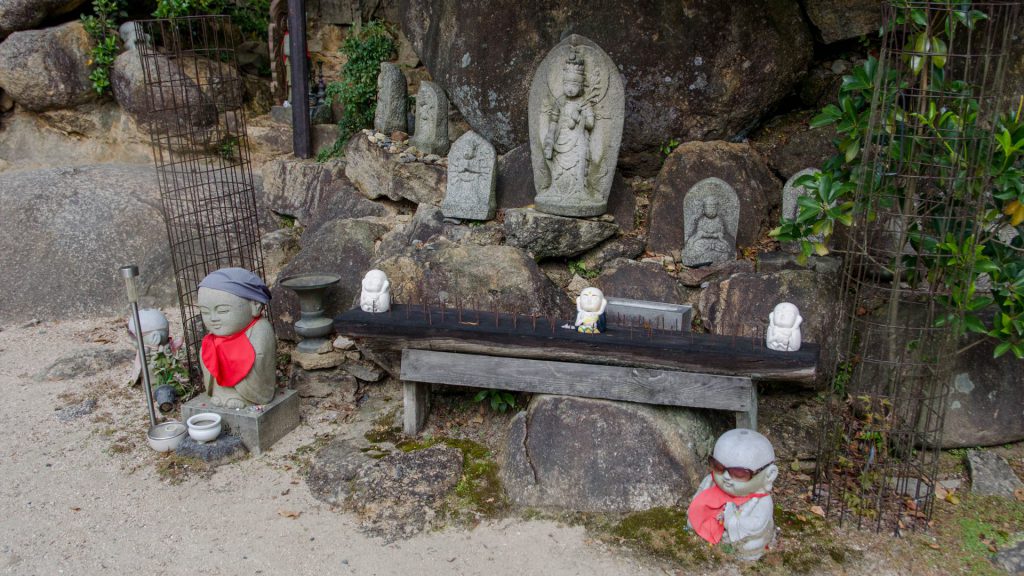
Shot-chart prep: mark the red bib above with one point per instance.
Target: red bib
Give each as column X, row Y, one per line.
column 229, row 358
column 704, row 511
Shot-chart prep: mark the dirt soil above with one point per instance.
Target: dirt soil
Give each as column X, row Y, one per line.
column 86, row 495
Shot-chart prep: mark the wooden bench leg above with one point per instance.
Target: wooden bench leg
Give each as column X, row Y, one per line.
column 416, row 400
column 748, row 419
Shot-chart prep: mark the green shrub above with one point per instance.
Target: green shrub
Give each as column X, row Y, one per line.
column 102, row 26
column 356, row 91
column 251, row 16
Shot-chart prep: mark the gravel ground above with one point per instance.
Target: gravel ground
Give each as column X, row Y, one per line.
column 84, row 496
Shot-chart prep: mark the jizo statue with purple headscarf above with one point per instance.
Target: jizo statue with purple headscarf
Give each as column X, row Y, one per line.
column 239, row 352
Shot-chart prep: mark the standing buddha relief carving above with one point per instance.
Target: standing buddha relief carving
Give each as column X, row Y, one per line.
column 577, row 106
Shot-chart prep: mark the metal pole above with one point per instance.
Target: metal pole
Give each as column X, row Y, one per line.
column 129, row 273
column 301, row 143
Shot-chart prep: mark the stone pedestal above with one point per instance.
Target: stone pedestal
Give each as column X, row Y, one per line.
column 257, row 429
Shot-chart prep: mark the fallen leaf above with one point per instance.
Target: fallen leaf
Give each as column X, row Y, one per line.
column 1019, row 494
column 952, row 498
column 286, row 491
column 75, row 509
column 818, row 510
column 941, row 492
column 289, row 513
column 935, row 546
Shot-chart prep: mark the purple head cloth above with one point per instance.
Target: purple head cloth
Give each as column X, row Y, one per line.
column 238, row 281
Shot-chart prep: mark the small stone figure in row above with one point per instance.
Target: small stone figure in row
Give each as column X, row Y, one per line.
column 733, row 503
column 376, row 292
column 590, row 311
column 784, row 328
column 710, row 220
column 239, row 353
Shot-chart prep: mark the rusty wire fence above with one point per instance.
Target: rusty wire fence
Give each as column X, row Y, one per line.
column 193, row 112
column 923, row 188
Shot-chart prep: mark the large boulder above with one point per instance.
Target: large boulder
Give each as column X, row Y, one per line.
column 177, row 105
column 842, row 19
column 46, row 69
column 485, row 275
column 790, row 145
column 739, row 165
column 985, row 406
column 18, row 15
column 394, row 496
column 66, row 231
column 602, row 456
column 694, row 71
column 547, row 235
column 344, row 247
column 314, row 192
column 740, row 305
column 376, row 173
column 640, row 281
column 95, row 133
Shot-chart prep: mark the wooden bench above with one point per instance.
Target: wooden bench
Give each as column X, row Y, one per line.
column 534, row 354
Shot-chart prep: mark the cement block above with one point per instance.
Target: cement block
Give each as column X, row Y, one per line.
column 258, row 429
column 623, row 311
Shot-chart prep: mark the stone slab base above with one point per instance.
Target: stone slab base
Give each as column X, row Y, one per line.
column 259, row 430
column 226, row 448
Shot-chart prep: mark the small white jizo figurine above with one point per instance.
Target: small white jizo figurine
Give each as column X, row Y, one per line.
column 590, row 306
column 784, row 328
column 376, row 294
column 734, row 504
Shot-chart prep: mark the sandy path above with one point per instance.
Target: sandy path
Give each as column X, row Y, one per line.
column 70, row 506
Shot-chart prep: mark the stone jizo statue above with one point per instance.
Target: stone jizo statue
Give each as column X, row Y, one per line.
column 784, row 328
column 710, row 219
column 392, row 100
column 376, row 293
column 734, row 503
column 156, row 337
column 472, row 176
column 431, row 120
column 791, row 194
column 238, row 354
column 576, row 112
column 590, row 311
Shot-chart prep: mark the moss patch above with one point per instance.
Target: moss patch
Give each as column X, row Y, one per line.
column 383, row 429
column 479, row 493
column 662, row 531
column 302, row 457
column 176, row 469
column 967, row 535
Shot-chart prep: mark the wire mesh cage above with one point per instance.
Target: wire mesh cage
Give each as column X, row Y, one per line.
column 923, row 188
column 193, row 111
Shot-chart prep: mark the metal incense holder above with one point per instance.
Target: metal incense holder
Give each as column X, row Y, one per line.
column 313, row 325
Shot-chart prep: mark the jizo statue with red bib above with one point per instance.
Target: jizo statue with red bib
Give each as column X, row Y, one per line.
column 238, row 354
column 734, row 502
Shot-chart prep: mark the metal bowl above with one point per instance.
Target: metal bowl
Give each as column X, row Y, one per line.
column 166, row 437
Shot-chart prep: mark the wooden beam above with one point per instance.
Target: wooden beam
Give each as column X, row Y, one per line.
column 640, row 385
column 416, row 406
column 302, row 143
column 407, row 327
column 748, row 418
